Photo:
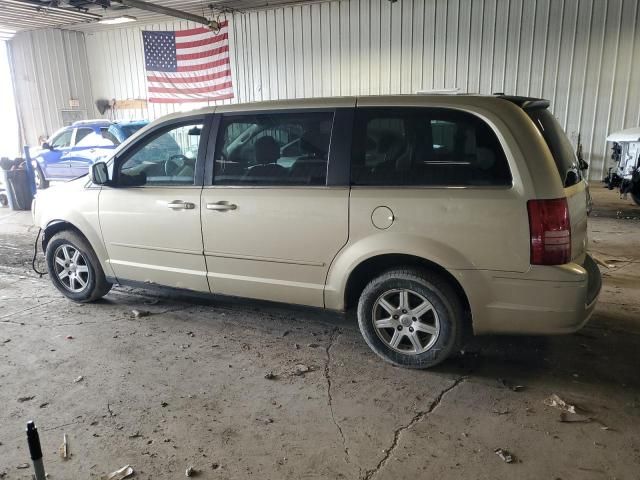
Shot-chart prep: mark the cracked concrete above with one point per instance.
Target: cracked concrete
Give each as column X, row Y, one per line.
column 327, row 374
column 418, row 417
column 186, row 386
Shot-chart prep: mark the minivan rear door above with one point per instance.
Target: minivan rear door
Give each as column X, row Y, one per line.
column 575, row 188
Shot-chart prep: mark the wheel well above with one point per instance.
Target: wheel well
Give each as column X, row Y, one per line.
column 372, row 267
column 58, row 226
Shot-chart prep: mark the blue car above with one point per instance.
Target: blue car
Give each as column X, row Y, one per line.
column 71, row 150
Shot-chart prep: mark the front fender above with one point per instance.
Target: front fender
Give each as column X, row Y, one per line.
column 353, row 254
column 77, row 206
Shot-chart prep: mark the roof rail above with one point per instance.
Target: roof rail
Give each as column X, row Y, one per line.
column 526, row 103
column 87, row 122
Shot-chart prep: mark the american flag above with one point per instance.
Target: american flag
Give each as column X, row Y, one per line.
column 188, row 65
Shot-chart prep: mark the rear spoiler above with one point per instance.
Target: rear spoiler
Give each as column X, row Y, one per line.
column 526, row 103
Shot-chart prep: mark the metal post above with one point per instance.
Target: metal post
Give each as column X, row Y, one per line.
column 33, row 439
column 31, row 174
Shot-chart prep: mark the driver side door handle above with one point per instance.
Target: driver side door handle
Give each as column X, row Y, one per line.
column 181, row 205
column 221, row 206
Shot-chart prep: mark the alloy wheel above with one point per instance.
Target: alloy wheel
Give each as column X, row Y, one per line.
column 405, row 321
column 71, row 268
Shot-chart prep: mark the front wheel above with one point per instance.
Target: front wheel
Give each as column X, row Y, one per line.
column 411, row 318
column 74, row 268
column 41, row 181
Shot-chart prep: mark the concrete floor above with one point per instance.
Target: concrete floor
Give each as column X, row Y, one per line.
column 186, row 385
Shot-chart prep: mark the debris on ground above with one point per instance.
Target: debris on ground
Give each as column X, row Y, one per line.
column 22, row 466
column 510, row 385
column 270, row 376
column 285, row 333
column 140, row 313
column 265, row 420
column 505, row 455
column 69, row 337
column 556, row 402
column 44, row 405
column 26, row 398
column 566, row 418
column 300, row 369
column 124, row 472
column 190, row 472
column 191, row 334
column 215, row 465
column 135, row 435
column 64, row 448
column 6, row 340
column 313, row 345
column 78, row 379
column 296, row 346
column 164, row 404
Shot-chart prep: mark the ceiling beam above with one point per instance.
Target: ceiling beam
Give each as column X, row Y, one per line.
column 171, row 12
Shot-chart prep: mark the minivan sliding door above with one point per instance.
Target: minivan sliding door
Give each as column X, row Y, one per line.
column 274, row 216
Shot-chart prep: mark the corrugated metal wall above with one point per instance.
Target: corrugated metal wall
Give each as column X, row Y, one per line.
column 584, row 55
column 50, row 68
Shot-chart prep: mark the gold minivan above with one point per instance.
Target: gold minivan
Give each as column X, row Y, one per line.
column 434, row 216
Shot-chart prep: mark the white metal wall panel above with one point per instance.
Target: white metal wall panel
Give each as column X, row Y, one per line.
column 583, row 55
column 50, row 68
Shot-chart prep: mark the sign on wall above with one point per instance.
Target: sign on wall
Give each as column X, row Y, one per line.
column 188, row 65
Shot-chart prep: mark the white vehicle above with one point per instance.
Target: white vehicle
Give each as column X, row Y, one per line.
column 626, row 153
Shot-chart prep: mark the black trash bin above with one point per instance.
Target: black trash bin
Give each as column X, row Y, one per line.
column 18, row 189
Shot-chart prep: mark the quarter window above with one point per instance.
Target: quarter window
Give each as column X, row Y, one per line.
column 426, row 147
column 273, row 149
column 168, row 158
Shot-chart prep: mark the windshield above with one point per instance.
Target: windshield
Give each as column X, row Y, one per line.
column 559, row 144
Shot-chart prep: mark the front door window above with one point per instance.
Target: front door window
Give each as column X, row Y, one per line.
column 168, row 158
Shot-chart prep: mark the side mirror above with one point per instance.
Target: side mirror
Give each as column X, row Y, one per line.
column 99, row 173
column 47, row 146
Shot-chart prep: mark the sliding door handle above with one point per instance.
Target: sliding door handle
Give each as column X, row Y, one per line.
column 181, row 205
column 221, row 206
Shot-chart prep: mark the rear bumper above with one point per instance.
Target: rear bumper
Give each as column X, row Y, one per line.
column 545, row 300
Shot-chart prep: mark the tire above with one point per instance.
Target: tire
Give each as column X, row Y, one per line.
column 81, row 268
column 41, row 181
column 4, row 201
column 636, row 197
column 425, row 338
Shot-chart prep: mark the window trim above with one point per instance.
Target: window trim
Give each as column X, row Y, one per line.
column 338, row 158
column 416, row 109
column 157, row 131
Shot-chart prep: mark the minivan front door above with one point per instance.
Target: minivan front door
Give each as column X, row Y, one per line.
column 150, row 218
column 271, row 226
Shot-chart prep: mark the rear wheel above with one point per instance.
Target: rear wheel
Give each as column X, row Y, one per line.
column 411, row 318
column 74, row 268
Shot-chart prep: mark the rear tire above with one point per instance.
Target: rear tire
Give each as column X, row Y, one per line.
column 411, row 318
column 74, row 268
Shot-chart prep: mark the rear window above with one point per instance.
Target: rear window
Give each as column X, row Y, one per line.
column 558, row 144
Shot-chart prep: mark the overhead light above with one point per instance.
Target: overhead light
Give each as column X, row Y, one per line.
column 118, row 20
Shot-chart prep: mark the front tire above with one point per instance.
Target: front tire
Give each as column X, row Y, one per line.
column 74, row 268
column 41, row 181
column 411, row 318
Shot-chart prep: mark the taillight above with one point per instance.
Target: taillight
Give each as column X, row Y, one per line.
column 550, row 229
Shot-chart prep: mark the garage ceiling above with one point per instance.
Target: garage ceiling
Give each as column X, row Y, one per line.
column 18, row 15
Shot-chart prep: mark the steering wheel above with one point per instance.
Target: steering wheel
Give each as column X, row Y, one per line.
column 174, row 164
